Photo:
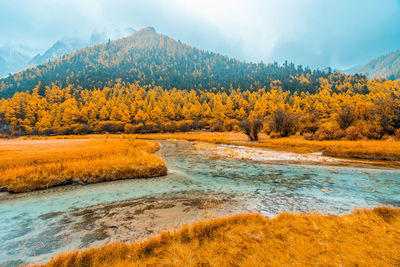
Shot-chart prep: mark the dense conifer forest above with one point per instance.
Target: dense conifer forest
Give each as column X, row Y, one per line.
column 147, row 57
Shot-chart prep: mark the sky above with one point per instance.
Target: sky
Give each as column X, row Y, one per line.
column 316, row 33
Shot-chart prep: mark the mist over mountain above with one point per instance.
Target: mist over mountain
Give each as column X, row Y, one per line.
column 59, row 49
column 67, row 46
column 14, row 58
column 386, row 67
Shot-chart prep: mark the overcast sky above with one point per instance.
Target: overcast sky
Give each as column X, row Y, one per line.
column 318, row 33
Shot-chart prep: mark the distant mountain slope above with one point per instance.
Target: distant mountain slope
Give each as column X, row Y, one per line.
column 151, row 58
column 16, row 57
column 387, row 67
column 67, row 46
column 59, row 49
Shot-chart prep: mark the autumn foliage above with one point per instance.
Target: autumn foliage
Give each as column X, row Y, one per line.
column 363, row 238
column 327, row 114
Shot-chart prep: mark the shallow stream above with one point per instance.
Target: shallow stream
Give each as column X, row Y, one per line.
column 31, row 224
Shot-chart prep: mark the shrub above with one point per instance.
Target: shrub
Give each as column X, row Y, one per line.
column 372, row 131
column 152, row 127
column 397, row 134
column 236, row 128
column 353, row 133
column 309, row 136
column 216, row 126
column 131, row 128
column 345, row 117
column 387, row 114
column 48, row 131
column 140, row 128
column 199, row 124
column 283, row 123
column 251, row 128
column 80, row 128
column 184, row 126
column 274, row 135
column 308, row 123
column 329, row 131
column 169, row 126
column 110, row 126
column 65, row 130
column 232, row 125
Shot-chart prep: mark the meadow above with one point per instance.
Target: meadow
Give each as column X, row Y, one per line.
column 361, row 149
column 27, row 164
column 44, row 162
column 362, row 238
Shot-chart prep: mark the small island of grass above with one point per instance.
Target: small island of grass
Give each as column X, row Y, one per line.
column 28, row 165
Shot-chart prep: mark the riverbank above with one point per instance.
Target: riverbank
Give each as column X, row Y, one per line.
column 122, row 221
column 388, row 150
column 364, row 237
column 41, row 224
column 28, row 165
column 385, row 150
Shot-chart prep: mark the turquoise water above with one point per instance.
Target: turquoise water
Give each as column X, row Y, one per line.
column 265, row 187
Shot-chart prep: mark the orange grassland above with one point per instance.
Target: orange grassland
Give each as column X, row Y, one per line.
column 361, row 149
column 27, row 165
column 362, row 238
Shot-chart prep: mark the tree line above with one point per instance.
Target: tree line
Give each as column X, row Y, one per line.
column 335, row 109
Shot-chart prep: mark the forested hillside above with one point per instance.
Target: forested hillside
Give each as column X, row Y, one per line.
column 150, row 58
column 385, row 67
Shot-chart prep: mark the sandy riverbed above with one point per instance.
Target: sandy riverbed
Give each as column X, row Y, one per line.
column 275, row 156
column 131, row 221
column 251, row 153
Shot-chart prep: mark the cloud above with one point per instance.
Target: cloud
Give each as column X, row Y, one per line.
column 309, row 32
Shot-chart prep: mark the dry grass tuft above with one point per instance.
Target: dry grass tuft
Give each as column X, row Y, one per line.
column 363, row 238
column 27, row 165
column 365, row 149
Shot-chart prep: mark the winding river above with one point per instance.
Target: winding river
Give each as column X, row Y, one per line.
column 33, row 225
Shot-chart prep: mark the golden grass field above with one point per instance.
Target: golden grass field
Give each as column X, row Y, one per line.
column 27, row 164
column 363, row 238
column 362, row 149
column 44, row 162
